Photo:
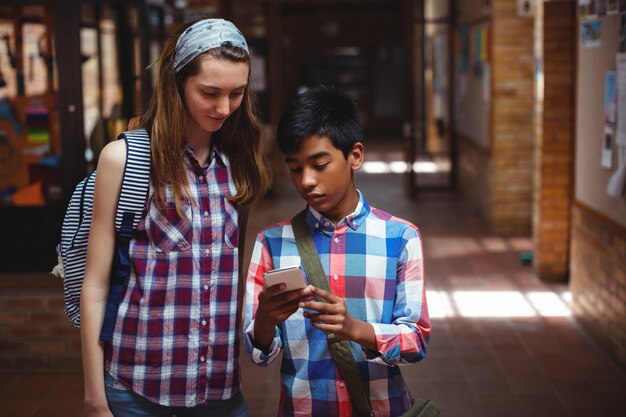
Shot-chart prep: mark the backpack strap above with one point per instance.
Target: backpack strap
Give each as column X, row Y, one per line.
column 130, row 206
column 136, row 179
column 340, row 349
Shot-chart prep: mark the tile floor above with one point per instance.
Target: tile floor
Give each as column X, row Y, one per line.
column 503, row 343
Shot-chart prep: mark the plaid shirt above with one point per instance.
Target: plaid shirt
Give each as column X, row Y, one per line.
column 176, row 340
column 374, row 261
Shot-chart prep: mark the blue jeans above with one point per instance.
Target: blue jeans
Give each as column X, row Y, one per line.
column 125, row 403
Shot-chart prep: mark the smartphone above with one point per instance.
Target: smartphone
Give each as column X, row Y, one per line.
column 292, row 276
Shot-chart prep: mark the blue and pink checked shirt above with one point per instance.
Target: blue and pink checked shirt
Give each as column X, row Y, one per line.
column 176, row 338
column 375, row 262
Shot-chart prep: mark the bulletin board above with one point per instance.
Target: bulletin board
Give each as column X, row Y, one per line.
column 472, row 81
column 591, row 178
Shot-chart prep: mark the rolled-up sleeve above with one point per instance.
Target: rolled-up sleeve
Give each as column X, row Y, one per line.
column 405, row 339
column 260, row 262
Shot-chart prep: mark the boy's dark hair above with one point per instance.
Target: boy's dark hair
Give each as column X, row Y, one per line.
column 324, row 111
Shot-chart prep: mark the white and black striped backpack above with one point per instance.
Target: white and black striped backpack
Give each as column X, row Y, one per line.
column 72, row 251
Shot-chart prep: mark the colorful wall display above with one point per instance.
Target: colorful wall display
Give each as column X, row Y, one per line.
column 37, row 123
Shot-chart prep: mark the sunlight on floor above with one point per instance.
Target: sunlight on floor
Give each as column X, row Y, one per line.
column 442, row 304
column 446, row 247
column 400, row 167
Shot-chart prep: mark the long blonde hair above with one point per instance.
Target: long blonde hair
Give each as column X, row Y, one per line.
column 166, row 119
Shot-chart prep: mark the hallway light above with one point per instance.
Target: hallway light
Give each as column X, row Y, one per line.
column 426, row 167
column 376, row 167
column 400, row 167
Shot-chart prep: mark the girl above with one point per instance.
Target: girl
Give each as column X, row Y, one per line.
column 175, row 346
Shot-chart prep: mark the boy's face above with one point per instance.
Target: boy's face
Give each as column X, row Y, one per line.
column 323, row 176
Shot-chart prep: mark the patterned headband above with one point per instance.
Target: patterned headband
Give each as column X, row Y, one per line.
column 204, row 35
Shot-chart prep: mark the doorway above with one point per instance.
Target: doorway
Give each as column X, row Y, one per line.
column 360, row 49
column 432, row 153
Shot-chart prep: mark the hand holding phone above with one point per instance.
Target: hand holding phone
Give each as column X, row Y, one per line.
column 292, row 277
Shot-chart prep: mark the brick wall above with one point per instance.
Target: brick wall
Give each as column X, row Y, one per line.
column 497, row 181
column 598, row 280
column 34, row 333
column 474, row 181
column 555, row 113
column 512, row 118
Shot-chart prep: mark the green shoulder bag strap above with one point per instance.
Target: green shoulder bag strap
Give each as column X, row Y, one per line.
column 340, row 348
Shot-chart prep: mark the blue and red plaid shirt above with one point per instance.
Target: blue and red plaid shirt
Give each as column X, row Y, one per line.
column 374, row 261
column 176, row 340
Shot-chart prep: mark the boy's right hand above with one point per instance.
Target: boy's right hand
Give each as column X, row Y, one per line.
column 275, row 307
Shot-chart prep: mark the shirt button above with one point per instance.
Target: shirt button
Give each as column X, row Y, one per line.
column 206, row 287
column 204, row 322
column 201, row 358
column 336, row 240
column 206, row 251
column 335, row 277
column 200, row 179
column 341, row 384
column 317, row 225
column 206, row 213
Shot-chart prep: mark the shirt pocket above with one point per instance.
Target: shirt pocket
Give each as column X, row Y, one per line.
column 231, row 222
column 169, row 232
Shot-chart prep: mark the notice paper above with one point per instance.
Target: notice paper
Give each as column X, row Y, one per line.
column 610, row 117
column 615, row 187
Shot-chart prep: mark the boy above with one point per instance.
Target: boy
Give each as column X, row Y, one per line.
column 373, row 262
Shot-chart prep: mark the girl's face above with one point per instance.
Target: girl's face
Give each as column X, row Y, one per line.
column 215, row 92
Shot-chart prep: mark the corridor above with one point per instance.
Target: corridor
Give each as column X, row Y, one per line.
column 503, row 343
column 506, row 101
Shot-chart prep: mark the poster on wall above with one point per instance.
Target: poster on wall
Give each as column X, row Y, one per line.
column 615, row 186
column 525, row 8
column 607, row 148
column 486, row 83
column 620, row 109
column 479, row 50
column 610, row 118
column 610, row 98
column 591, row 34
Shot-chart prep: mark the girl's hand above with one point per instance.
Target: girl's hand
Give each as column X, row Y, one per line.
column 99, row 409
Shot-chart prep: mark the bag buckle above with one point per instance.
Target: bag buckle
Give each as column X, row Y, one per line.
column 332, row 338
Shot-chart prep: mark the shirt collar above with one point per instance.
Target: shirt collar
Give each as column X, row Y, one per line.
column 215, row 156
column 317, row 222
